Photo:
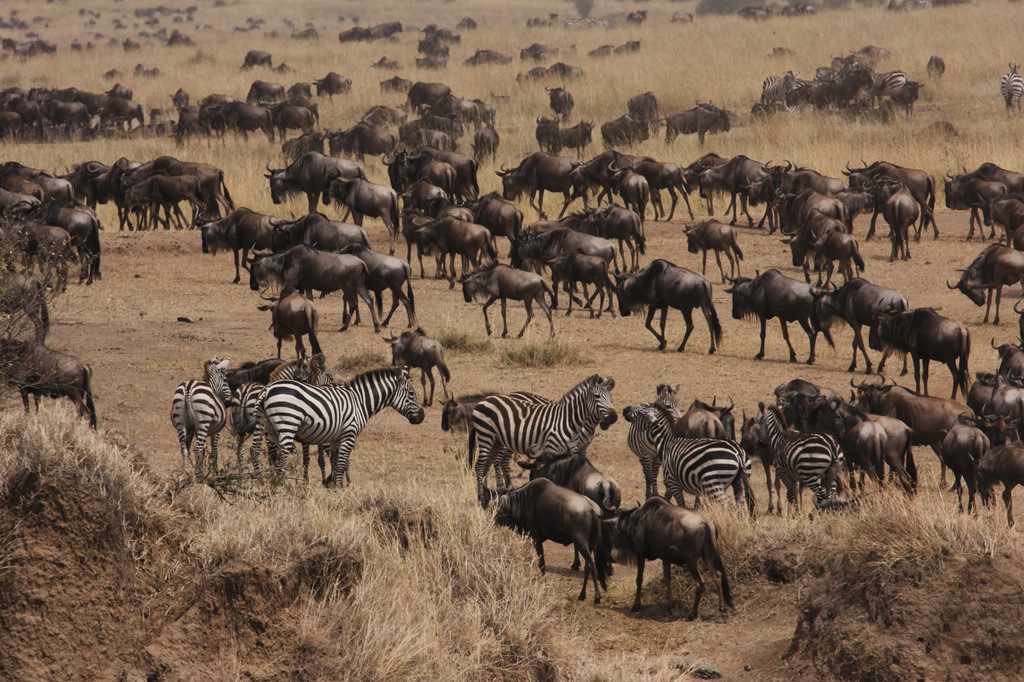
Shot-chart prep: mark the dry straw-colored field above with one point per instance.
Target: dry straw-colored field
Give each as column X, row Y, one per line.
column 401, row 576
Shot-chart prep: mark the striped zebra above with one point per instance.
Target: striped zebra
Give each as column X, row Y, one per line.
column 332, row 415
column 808, row 459
column 643, row 445
column 775, row 88
column 244, row 415
column 698, row 466
column 887, row 84
column 501, row 425
column 199, row 411
column 1012, row 88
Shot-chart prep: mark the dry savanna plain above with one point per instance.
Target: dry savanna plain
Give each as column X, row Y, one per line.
column 112, row 566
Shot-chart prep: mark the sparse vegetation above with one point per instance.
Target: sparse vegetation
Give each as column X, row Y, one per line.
column 360, row 361
column 550, row 353
column 462, row 342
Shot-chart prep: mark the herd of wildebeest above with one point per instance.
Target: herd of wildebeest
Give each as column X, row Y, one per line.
column 594, row 256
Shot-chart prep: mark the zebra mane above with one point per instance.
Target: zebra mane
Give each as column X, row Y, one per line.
column 580, row 387
column 369, row 376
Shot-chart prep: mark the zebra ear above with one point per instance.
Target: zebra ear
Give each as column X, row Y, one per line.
column 223, row 364
column 609, row 382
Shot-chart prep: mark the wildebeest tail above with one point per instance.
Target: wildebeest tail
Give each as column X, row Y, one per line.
column 93, row 244
column 550, row 293
column 408, row 291
column 716, row 326
column 720, row 567
column 311, row 320
column 602, row 554
column 227, row 194
column 476, row 187
column 90, row 407
column 490, row 251
column 736, row 247
column 965, row 352
column 857, row 260
column 44, row 318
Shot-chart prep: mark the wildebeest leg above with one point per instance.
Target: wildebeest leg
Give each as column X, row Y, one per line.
column 650, row 316
column 733, row 206
column 858, row 342
column 688, row 317
column 312, row 198
column 300, row 349
column 424, row 373
column 871, row 228
column 540, row 204
column 768, row 483
column 694, row 569
column 1008, row 501
column 718, row 259
column 918, row 361
column 764, row 323
column 812, row 336
column 487, row 322
column 568, row 200
column 972, row 488
column 528, row 304
column 704, row 264
column 538, row 545
column 365, row 295
column 279, row 340
column 639, row 581
column 746, row 210
column 956, row 376
column 785, row 336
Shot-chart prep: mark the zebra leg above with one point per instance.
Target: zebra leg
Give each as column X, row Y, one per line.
column 305, row 462
column 339, row 462
column 502, row 470
column 199, row 453
column 214, row 439
column 254, row 449
column 182, row 441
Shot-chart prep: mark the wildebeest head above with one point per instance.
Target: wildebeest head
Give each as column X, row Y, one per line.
column 279, row 186
column 212, row 231
column 264, row 270
column 971, row 282
column 513, row 182
column 742, row 291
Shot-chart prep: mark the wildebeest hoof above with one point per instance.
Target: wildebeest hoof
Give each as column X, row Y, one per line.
column 661, row 346
column 635, row 607
column 810, row 361
column 759, row 356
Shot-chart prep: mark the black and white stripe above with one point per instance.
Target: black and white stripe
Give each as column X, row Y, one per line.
column 199, row 412
column 886, row 84
column 505, row 424
column 1012, row 88
column 775, row 88
column 808, row 459
column 292, row 411
column 244, row 414
column 642, row 444
column 697, row 466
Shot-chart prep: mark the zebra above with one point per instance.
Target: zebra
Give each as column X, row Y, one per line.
column 244, row 415
column 501, row 425
column 775, row 88
column 1012, row 88
column 644, row 446
column 199, row 411
column 809, row 459
column 886, row 84
column 333, row 415
column 698, row 466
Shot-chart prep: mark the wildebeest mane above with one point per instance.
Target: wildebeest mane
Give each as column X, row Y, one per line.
column 642, row 289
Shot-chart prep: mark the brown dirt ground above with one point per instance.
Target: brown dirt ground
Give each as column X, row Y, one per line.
column 126, row 327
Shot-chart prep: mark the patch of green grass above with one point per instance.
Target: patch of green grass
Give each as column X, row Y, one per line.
column 544, row 354
column 462, row 342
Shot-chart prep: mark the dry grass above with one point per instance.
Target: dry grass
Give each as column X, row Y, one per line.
column 461, row 341
column 550, row 353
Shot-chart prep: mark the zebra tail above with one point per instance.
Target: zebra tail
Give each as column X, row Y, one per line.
column 87, row 389
column 472, row 442
column 748, row 491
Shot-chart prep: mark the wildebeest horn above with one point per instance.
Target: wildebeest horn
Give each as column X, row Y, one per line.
column 1017, row 304
column 950, row 286
column 993, row 343
column 266, row 298
column 778, row 389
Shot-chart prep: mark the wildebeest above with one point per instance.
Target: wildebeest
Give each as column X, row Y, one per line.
column 303, row 144
column 24, row 298
column 735, row 176
column 485, row 56
column 663, row 285
column 450, row 236
column 661, row 176
column 396, row 84
column 900, row 212
column 624, row 131
column 332, row 84
column 660, row 530
column 502, row 217
column 857, row 303
column 421, row 95
column 633, row 189
column 496, row 281
column 919, row 183
column 926, row 336
column 365, row 198
column 577, row 267
column 538, row 172
column 644, row 107
column 387, row 272
column 711, row 235
column 36, row 370
column 257, row 58
column 973, row 192
column 997, row 266
column 836, row 246
column 405, row 168
column 307, row 269
column 1004, row 464
column 293, row 315
column 362, row 139
column 772, row 294
column 148, row 196
column 561, row 101
column 311, row 174
column 316, row 231
column 546, row 511
column 262, row 92
column 416, row 349
column 241, row 230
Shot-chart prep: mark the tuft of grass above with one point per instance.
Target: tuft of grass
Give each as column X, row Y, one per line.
column 550, row 353
column 461, row 341
column 361, row 361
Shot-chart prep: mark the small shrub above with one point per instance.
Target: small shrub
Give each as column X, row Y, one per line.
column 545, row 354
column 462, row 342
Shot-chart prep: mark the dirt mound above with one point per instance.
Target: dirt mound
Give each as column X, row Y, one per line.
column 965, row 620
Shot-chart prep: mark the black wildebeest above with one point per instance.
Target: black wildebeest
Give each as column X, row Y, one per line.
column 307, row 269
column 856, row 303
column 36, row 370
column 547, row 135
column 241, row 230
column 311, row 174
column 387, row 272
column 416, row 349
column 970, row 191
column 663, row 285
column 332, row 84
column 364, row 198
column 422, row 95
column 997, row 266
column 257, row 58
column 293, row 315
column 262, row 92
column 702, row 119
column 926, row 336
column 561, row 101
column 772, row 294
column 546, row 511
column 711, row 235
column 497, row 281
column 661, row 530
column 539, row 172
column 502, row 217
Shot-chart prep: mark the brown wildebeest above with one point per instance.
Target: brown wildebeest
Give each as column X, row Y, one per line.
column 497, row 281
column 660, row 530
column 241, row 230
column 544, row 511
column 836, row 246
column 293, row 315
column 578, row 267
column 633, row 188
column 256, row 58
column 24, row 295
column 704, row 421
column 416, row 349
column 502, row 217
column 919, row 183
column 997, row 266
column 40, row 371
column 1004, row 465
column 961, row 450
column 926, row 336
column 900, row 211
column 755, row 446
column 857, row 303
column 711, row 235
column 663, row 285
column 450, row 236
column 387, row 272
column 561, row 101
column 539, row 172
column 312, row 175
column 365, row 198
